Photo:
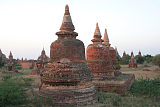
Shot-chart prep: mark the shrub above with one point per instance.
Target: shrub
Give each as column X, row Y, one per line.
column 156, row 60
column 146, row 87
column 109, row 98
column 31, row 67
column 5, row 78
column 116, row 67
column 1, row 63
column 125, row 59
column 139, row 59
column 148, row 58
column 18, row 66
column 11, row 93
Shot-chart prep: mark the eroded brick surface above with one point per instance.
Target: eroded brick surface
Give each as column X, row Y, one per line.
column 66, row 77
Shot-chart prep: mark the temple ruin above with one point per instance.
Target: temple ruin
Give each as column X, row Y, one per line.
column 66, row 77
column 101, row 58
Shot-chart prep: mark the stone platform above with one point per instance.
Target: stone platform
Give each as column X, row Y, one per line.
column 119, row 84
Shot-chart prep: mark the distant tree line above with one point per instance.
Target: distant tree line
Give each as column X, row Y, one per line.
column 140, row 59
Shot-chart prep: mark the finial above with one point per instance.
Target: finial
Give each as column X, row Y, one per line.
column 106, row 39
column 67, row 10
column 97, row 35
column 67, row 24
column 97, row 31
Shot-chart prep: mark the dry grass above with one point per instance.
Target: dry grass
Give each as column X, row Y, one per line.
column 154, row 71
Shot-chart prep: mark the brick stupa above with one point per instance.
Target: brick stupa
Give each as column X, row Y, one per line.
column 42, row 60
column 112, row 51
column 132, row 61
column 98, row 57
column 67, row 77
column 101, row 58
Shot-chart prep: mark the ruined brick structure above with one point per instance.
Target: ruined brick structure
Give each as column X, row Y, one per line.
column 139, row 54
column 10, row 57
column 42, row 60
column 67, row 78
column 11, row 62
column 112, row 51
column 35, row 71
column 132, row 61
column 98, row 57
column 40, row 63
column 101, row 58
column 124, row 54
column 26, row 64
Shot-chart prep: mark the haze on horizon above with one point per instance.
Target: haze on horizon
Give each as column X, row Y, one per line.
column 26, row 26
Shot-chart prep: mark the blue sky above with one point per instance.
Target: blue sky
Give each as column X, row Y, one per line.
column 26, row 26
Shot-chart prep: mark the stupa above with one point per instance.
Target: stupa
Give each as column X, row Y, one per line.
column 67, row 77
column 98, row 57
column 112, row 51
column 42, row 60
column 124, row 54
column 139, row 53
column 35, row 71
column 101, row 58
column 132, row 61
column 10, row 57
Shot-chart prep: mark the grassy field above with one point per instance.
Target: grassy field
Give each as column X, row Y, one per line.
column 20, row 89
column 142, row 71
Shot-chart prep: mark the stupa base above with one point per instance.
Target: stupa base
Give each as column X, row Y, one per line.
column 70, row 96
column 119, row 84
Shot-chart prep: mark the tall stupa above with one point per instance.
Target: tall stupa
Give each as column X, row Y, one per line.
column 67, row 77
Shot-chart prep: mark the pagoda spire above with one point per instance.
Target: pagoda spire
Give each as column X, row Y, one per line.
column 67, row 24
column 139, row 53
column 106, row 39
column 10, row 56
column 97, row 35
column 132, row 54
column 43, row 52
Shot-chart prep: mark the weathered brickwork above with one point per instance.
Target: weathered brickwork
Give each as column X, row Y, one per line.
column 66, row 77
column 99, row 58
column 120, row 85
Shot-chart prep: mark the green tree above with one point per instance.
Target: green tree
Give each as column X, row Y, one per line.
column 118, row 58
column 139, row 59
column 125, row 59
column 156, row 60
column 148, row 58
column 1, row 63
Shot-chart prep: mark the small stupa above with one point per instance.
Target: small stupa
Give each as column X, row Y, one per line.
column 98, row 57
column 139, row 53
column 132, row 61
column 67, row 77
column 35, row 71
column 101, row 58
column 42, row 60
column 112, row 51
